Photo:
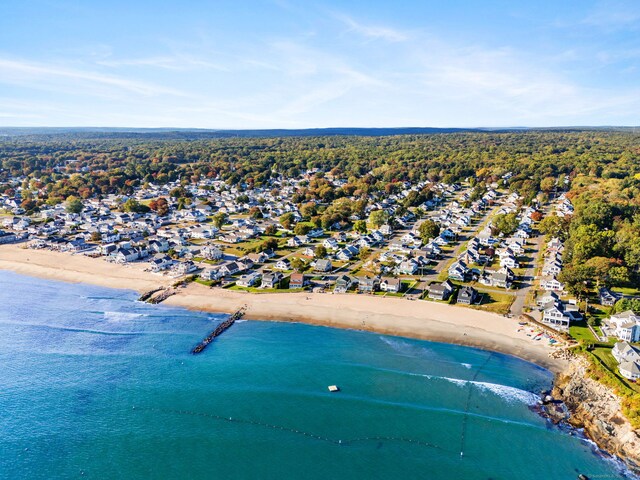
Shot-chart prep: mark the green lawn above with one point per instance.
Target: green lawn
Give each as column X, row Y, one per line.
column 581, row 333
column 207, row 283
column 605, row 356
column 626, row 290
column 495, row 302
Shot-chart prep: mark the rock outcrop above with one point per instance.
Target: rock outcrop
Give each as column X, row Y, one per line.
column 596, row 408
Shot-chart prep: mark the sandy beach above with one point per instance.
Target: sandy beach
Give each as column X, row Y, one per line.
column 68, row 267
column 390, row 315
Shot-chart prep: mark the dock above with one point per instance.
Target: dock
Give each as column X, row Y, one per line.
column 219, row 330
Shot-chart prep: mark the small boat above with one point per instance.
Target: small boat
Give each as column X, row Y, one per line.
column 582, row 476
column 333, row 388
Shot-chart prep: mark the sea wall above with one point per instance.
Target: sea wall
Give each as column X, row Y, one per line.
column 596, row 408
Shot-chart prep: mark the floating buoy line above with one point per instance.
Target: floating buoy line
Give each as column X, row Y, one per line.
column 341, row 442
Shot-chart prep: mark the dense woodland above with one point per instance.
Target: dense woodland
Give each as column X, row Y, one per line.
column 601, row 169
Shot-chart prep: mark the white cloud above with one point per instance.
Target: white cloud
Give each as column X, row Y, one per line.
column 46, row 76
column 372, row 31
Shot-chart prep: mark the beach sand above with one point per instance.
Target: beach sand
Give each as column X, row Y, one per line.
column 387, row 315
column 72, row 268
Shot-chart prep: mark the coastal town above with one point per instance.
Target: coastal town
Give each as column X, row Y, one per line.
column 475, row 246
column 445, row 249
column 541, row 268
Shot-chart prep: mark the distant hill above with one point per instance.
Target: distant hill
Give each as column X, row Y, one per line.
column 194, row 134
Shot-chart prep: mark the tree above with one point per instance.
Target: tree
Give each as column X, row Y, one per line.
column 320, row 251
column 505, row 223
column 286, row 220
column 428, row 230
column 160, row 206
column 271, row 229
column 73, row 205
column 377, row 218
column 618, row 276
column 308, row 210
column 179, row 192
column 219, row 219
column 625, row 304
column 96, row 236
column 547, row 184
column 360, row 226
column 576, row 279
column 268, row 244
column 536, row 216
column 554, row 226
column 364, row 253
column 588, row 241
column 133, row 205
column 302, row 229
column 255, row 212
column 298, row 264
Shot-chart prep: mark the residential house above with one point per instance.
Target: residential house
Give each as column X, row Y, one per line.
column 160, row 262
column 368, row 284
column 551, row 283
column 298, row 280
column 623, row 352
column 249, row 279
column 323, row 265
column 441, row 291
column 466, row 295
column 607, row 297
column 183, row 268
column 330, row 243
column 271, row 280
column 283, row 264
column 343, row 283
column 211, row 252
column 626, row 325
column 458, row 271
column 559, row 315
column 408, row 267
column 629, row 370
column 391, row 285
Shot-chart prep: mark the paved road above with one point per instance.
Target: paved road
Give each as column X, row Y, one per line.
column 528, row 279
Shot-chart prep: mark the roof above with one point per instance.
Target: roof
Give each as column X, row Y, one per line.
column 630, row 367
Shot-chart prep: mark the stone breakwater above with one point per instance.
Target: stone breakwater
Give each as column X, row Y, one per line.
column 596, row 408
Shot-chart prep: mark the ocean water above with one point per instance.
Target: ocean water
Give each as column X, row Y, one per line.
column 96, row 385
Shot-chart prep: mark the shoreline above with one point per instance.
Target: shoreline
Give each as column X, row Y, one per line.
column 395, row 316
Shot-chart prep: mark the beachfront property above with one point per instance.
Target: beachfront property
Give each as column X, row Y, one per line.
column 560, row 315
column 628, row 358
column 466, row 295
column 441, row 291
column 391, row 285
column 624, row 326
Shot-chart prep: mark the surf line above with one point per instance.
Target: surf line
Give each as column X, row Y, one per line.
column 291, row 430
column 465, row 418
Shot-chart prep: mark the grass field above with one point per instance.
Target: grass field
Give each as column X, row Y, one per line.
column 495, row 302
column 605, row 356
column 581, row 333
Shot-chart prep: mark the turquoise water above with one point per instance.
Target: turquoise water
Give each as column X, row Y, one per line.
column 96, row 385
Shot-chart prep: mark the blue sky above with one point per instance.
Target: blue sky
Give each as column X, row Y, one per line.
column 290, row 64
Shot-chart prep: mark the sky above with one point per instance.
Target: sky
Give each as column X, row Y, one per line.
column 248, row 64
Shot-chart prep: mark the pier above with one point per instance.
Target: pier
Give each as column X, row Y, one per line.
column 219, row 330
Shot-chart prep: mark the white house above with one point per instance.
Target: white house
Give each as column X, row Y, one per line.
column 626, row 326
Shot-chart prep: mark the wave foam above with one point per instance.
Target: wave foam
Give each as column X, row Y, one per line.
column 510, row 394
column 122, row 316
